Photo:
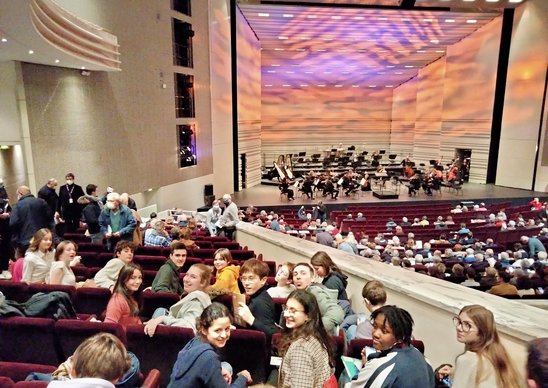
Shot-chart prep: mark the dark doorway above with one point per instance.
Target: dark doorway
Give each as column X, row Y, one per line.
column 243, row 171
column 463, row 156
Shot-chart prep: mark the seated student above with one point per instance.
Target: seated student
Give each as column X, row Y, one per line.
column 259, row 314
column 61, row 271
column 184, row 237
column 185, row 312
column 332, row 276
column 198, row 363
column 305, row 346
column 397, row 363
column 123, row 306
column 284, row 280
column 227, row 274
column 374, row 296
column 123, row 254
column 98, row 362
column 332, row 314
column 38, row 258
column 167, row 277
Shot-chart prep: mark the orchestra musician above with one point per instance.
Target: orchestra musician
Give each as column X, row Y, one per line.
column 307, row 186
column 452, row 173
column 349, row 183
column 284, row 189
column 329, row 188
column 408, row 172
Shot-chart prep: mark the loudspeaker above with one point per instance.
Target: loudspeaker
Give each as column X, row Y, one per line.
column 208, row 190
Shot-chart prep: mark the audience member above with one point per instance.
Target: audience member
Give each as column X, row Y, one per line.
column 60, row 270
column 284, row 281
column 228, row 220
column 185, row 312
column 116, row 221
column 537, row 363
column 332, row 276
column 123, row 306
column 397, row 363
column 259, row 313
column 305, row 347
column 123, row 255
column 91, row 212
column 39, row 257
column 485, row 362
column 504, row 287
column 227, row 273
column 198, row 363
column 167, row 277
column 48, row 194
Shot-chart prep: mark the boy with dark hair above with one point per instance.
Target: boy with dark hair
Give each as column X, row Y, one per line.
column 259, row 314
column 123, row 255
column 167, row 277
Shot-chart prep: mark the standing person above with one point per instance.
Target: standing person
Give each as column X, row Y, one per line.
column 123, row 307
column 227, row 273
column 198, row 363
column 68, row 208
column 48, row 194
column 28, row 215
column 332, row 276
column 397, row 363
column 485, row 362
column 185, row 312
column 61, row 271
column 212, row 216
column 320, row 211
column 91, row 212
column 6, row 250
column 229, row 218
column 305, row 347
column 137, row 236
column 38, row 258
column 116, row 221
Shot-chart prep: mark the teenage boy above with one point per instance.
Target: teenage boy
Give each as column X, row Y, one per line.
column 332, row 314
column 259, row 314
column 123, row 255
column 167, row 277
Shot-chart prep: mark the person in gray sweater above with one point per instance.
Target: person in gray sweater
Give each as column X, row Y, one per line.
column 332, row 314
column 123, row 255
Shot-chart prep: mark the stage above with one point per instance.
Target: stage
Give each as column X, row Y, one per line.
column 267, row 197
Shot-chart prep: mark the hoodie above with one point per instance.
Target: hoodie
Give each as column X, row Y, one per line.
column 184, row 312
column 228, row 278
column 197, row 366
column 337, row 281
column 91, row 212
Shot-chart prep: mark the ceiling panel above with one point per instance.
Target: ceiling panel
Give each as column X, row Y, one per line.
column 305, row 46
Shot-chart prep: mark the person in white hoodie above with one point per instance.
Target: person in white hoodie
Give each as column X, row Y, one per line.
column 184, row 312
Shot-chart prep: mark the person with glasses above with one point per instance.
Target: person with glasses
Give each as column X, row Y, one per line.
column 477, row 330
column 198, row 364
column 259, row 314
column 396, row 363
column 305, row 347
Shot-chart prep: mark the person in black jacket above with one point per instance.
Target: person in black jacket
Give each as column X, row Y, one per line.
column 48, row 194
column 29, row 215
column 68, row 207
column 91, row 212
column 259, row 314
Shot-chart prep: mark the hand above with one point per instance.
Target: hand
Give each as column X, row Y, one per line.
column 245, row 313
column 364, row 356
column 150, row 327
column 226, row 375
column 3, row 216
column 445, row 371
column 108, row 235
column 247, row 376
column 117, row 234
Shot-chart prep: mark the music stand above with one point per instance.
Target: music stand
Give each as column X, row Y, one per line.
column 392, row 158
column 382, row 152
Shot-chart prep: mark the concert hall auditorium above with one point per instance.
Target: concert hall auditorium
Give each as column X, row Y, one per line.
column 409, row 134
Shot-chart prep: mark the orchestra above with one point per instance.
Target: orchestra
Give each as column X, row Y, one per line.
column 351, row 181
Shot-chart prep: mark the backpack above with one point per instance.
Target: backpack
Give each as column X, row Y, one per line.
column 55, row 304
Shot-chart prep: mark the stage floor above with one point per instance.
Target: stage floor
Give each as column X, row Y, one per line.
column 269, row 196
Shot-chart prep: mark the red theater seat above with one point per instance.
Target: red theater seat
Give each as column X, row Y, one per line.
column 248, row 349
column 150, row 301
column 92, row 300
column 18, row 371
